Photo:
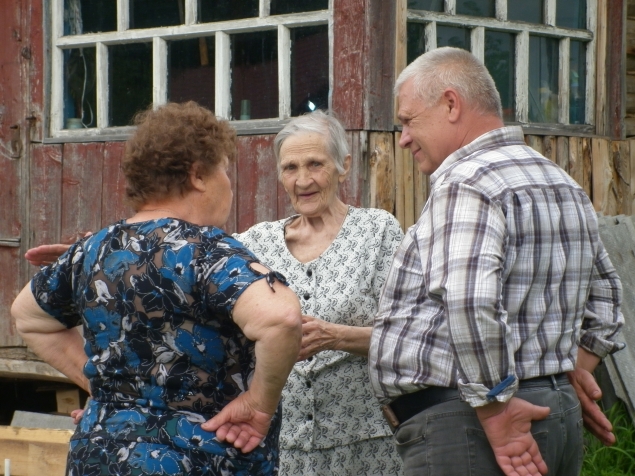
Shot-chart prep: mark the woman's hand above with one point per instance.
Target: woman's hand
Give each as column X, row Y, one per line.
column 240, row 423
column 77, row 415
column 319, row 335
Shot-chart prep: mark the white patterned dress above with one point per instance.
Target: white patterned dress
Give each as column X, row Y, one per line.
column 332, row 423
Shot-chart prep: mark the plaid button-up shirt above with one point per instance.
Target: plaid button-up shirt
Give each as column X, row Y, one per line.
column 504, row 274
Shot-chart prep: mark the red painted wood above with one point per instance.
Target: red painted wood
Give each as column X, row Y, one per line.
column 230, row 226
column 349, row 34
column 351, row 189
column 113, row 206
column 82, row 175
column 45, row 213
column 12, row 106
column 256, row 192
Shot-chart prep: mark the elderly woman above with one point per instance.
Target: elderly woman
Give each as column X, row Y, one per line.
column 336, row 258
column 186, row 332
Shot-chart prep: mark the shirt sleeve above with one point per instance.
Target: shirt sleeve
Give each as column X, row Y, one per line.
column 469, row 234
column 52, row 287
column 227, row 273
column 602, row 318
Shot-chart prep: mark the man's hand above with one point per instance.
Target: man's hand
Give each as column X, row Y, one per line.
column 508, row 429
column 240, row 423
column 588, row 393
column 45, row 254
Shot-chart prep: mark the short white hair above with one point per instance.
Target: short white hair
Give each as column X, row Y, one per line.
column 436, row 70
column 316, row 122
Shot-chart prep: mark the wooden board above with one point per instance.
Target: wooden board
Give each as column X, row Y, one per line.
column 46, row 195
column 34, row 452
column 382, row 177
column 113, row 207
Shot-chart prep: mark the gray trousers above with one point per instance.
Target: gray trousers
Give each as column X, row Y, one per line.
column 448, row 440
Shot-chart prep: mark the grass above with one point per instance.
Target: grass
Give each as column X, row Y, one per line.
column 616, row 460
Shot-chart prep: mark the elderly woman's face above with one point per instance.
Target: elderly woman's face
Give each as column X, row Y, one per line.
column 309, row 174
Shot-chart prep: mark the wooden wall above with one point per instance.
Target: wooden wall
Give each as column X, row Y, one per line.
column 605, row 169
column 629, row 109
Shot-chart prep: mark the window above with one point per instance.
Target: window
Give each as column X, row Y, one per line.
column 539, row 52
column 253, row 60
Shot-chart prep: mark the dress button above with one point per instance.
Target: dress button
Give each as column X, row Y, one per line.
column 307, row 296
column 308, row 384
column 309, row 417
column 309, row 273
column 309, row 359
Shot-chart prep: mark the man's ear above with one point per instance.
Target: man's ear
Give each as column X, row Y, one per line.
column 347, row 168
column 196, row 177
column 453, row 104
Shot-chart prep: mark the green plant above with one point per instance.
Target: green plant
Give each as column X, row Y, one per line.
column 616, row 460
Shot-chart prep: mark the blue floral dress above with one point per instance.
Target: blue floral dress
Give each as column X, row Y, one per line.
column 155, row 299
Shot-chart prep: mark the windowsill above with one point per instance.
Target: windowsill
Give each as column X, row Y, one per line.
column 573, row 130
column 118, row 134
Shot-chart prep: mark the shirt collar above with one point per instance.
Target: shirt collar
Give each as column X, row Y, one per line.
column 490, row 140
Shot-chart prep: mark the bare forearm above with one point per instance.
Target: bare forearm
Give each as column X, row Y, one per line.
column 276, row 352
column 63, row 350
column 352, row 339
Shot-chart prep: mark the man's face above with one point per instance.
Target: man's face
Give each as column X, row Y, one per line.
column 426, row 130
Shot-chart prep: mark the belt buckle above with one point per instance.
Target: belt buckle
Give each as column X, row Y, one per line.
column 391, row 418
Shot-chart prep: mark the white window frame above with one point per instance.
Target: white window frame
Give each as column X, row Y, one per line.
column 522, row 31
column 159, row 37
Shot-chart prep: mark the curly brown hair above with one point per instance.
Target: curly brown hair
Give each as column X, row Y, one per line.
column 167, row 142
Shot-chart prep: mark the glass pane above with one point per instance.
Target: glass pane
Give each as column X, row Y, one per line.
column 543, row 79
column 89, row 16
column 416, row 41
column 280, row 7
column 191, row 71
column 527, row 10
column 309, row 69
column 577, row 82
column 501, row 64
column 453, row 36
column 429, row 5
column 254, row 64
column 153, row 13
column 221, row 10
column 130, row 81
column 571, row 13
column 80, row 96
column 476, row 8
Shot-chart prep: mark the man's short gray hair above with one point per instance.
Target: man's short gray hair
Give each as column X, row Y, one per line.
column 436, row 70
column 316, row 122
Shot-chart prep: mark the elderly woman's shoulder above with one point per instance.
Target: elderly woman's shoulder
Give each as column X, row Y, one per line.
column 376, row 215
column 259, row 231
column 376, row 222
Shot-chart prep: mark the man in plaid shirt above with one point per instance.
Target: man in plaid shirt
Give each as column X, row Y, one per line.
column 498, row 296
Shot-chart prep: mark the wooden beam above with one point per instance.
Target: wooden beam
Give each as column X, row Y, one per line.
column 34, row 451
column 604, row 187
column 562, row 153
column 615, row 68
column 30, row 369
column 382, row 171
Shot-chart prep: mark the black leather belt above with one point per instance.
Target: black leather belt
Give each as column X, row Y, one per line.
column 408, row 405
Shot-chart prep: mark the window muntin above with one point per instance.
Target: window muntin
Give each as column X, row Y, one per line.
column 567, row 90
column 171, row 57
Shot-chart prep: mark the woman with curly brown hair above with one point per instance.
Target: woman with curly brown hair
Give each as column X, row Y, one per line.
column 189, row 338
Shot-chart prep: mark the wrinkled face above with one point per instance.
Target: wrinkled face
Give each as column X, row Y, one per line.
column 309, row 174
column 425, row 131
column 219, row 194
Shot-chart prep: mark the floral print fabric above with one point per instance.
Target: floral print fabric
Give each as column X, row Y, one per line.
column 164, row 355
column 327, row 401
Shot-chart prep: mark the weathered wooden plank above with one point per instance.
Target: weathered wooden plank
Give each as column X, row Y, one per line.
column 29, row 369
column 380, row 54
column 614, row 67
column 400, row 207
column 409, row 170
column 535, row 142
column 604, row 186
column 113, row 206
column 621, row 159
column 562, row 153
column 422, row 189
column 34, row 452
column 230, row 226
column 46, row 195
column 256, row 192
column 82, row 172
column 601, row 94
column 382, row 165
column 549, row 148
column 576, row 162
column 632, row 176
column 351, row 191
column 401, row 47
column 587, row 167
column 349, row 34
